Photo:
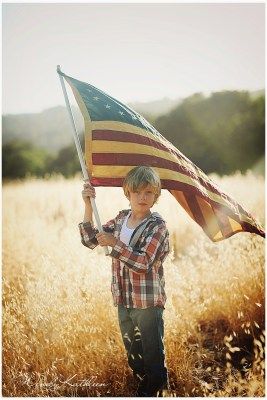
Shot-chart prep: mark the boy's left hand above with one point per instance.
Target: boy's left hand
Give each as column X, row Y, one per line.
column 106, row 239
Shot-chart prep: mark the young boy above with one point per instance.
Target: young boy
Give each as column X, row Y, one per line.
column 137, row 274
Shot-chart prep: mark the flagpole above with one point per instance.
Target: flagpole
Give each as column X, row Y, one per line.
column 80, row 153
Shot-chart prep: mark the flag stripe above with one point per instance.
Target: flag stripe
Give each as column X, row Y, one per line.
column 208, row 213
column 118, row 136
column 195, row 209
column 99, row 146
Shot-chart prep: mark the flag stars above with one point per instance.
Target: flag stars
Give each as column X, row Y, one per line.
column 134, row 117
column 121, row 112
column 95, row 98
column 107, row 106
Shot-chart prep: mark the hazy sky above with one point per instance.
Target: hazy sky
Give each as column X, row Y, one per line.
column 134, row 52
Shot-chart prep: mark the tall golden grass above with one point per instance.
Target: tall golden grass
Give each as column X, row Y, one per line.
column 60, row 329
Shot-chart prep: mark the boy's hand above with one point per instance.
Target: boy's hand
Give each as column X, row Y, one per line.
column 106, row 239
column 88, row 191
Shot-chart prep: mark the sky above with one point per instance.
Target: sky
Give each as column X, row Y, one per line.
column 133, row 52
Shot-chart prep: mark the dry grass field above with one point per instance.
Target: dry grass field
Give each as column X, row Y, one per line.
column 60, row 330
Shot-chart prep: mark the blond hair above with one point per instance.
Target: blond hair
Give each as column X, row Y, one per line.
column 139, row 177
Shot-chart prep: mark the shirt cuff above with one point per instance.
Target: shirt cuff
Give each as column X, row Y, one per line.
column 86, row 224
column 87, row 231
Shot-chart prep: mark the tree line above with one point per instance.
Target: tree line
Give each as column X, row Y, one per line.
column 221, row 133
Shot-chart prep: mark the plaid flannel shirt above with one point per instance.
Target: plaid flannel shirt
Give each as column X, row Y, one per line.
column 137, row 273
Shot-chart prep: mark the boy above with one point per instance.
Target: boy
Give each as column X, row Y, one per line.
column 137, row 274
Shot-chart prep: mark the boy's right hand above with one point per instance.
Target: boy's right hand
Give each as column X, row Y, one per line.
column 87, row 192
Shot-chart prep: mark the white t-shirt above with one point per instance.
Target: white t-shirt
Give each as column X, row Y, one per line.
column 126, row 233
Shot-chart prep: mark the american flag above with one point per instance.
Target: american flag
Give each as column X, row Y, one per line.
column 117, row 139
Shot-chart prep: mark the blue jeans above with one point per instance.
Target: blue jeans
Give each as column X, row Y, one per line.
column 142, row 332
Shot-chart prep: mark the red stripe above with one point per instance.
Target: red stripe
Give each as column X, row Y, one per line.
column 117, row 136
column 253, row 229
column 134, row 159
column 195, row 209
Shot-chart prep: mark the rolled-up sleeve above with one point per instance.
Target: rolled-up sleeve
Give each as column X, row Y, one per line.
column 155, row 248
column 88, row 232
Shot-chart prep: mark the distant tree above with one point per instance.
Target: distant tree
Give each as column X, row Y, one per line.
column 21, row 158
column 66, row 162
column 249, row 136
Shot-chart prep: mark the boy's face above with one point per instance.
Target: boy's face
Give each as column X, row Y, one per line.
column 143, row 199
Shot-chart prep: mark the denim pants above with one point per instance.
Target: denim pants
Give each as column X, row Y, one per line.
column 142, row 332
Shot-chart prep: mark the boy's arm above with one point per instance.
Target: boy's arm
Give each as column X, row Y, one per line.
column 141, row 261
column 88, row 232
